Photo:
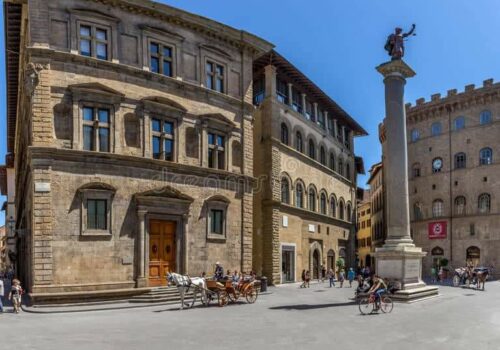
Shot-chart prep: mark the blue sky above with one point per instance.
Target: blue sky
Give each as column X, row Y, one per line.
column 338, row 44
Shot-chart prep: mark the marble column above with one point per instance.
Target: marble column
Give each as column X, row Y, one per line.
column 141, row 258
column 399, row 259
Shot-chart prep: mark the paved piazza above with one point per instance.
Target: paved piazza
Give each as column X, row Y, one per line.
column 289, row 318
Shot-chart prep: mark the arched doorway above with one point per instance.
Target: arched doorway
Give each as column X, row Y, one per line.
column 437, row 253
column 331, row 259
column 316, row 264
column 473, row 256
column 315, row 259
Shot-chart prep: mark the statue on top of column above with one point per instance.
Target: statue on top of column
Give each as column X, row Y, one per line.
column 395, row 43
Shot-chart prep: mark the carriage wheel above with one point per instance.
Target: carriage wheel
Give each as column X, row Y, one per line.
column 456, row 281
column 365, row 306
column 234, row 295
column 222, row 298
column 251, row 295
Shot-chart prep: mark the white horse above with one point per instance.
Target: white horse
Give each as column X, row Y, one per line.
column 183, row 284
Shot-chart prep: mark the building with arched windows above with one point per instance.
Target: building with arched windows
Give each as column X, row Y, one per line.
column 454, row 170
column 304, row 147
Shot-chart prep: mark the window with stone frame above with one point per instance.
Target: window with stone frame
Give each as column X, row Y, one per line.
column 296, row 101
column 417, row 211
column 312, row 150
column 437, row 208
column 331, row 127
column 484, row 203
column 485, row 117
column 415, row 135
column 341, row 210
column 285, row 191
column 321, row 119
column 299, row 143
column 217, row 218
column 332, row 161
column 215, row 76
column 161, row 58
column 216, row 150
column 96, row 209
column 416, row 170
column 163, row 139
column 322, row 204
column 96, row 128
column 93, row 41
column 333, row 207
column 322, row 155
column 340, row 167
column 284, row 134
column 459, row 123
column 347, row 170
column 486, row 156
column 460, row 160
column 436, row 129
column 299, row 196
column 312, row 199
column 460, row 205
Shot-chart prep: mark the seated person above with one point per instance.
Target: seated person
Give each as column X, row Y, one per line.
column 219, row 271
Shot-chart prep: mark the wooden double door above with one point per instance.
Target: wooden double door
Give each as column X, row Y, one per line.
column 162, row 251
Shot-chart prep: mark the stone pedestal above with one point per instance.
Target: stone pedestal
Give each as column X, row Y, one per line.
column 399, row 260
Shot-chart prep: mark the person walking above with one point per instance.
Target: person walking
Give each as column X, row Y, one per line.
column 331, row 278
column 303, row 285
column 308, row 279
column 350, row 276
column 2, row 291
column 341, row 277
column 15, row 294
column 433, row 274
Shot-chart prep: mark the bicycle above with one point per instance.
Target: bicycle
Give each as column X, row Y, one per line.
column 368, row 305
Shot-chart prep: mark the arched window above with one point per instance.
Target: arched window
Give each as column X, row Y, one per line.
column 312, row 150
column 417, row 211
column 299, row 145
column 312, row 199
column 437, row 208
column 436, row 129
column 333, row 207
column 347, row 170
column 284, row 134
column 340, row 167
column 332, row 161
column 415, row 135
column 459, row 123
column 485, row 156
column 473, row 255
column 460, row 205
column 322, row 204
column 299, row 196
column 484, row 203
column 437, row 251
column 485, row 117
column 460, row 160
column 285, row 191
column 415, row 169
column 341, row 210
column 322, row 155
column 348, row 212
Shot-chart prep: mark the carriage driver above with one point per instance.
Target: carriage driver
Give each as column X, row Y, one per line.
column 219, row 271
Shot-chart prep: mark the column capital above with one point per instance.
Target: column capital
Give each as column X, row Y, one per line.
column 396, row 68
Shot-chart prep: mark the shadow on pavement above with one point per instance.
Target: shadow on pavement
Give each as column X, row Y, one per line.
column 311, row 307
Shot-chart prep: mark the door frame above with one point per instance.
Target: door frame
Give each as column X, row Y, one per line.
column 180, row 252
column 294, row 245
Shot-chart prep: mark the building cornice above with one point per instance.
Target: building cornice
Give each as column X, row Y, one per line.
column 44, row 156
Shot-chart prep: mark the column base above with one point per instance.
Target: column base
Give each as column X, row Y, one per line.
column 402, row 263
column 141, row 282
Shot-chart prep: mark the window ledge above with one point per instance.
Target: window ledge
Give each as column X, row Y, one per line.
column 96, row 233
column 215, row 238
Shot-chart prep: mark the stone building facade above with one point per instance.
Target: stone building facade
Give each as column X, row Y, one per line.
column 134, row 143
column 306, row 168
column 364, row 231
column 378, row 208
column 454, row 172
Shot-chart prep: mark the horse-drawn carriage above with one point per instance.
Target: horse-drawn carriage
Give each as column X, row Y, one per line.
column 215, row 291
column 467, row 276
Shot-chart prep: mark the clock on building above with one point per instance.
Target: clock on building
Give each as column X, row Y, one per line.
column 437, row 164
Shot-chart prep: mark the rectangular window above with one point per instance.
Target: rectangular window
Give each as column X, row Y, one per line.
column 281, row 91
column 96, row 129
column 321, row 119
column 161, row 59
column 97, row 214
column 309, row 110
column 216, row 151
column 215, row 76
column 216, row 221
column 296, row 101
column 93, row 41
column 163, row 139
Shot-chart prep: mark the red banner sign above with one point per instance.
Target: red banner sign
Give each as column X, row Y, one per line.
column 437, row 230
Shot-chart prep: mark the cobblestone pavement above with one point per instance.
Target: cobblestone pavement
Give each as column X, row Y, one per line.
column 289, row 318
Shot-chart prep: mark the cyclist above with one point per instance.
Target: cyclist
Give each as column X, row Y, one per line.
column 379, row 287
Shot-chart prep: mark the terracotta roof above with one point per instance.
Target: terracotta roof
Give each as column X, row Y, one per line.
column 312, row 90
